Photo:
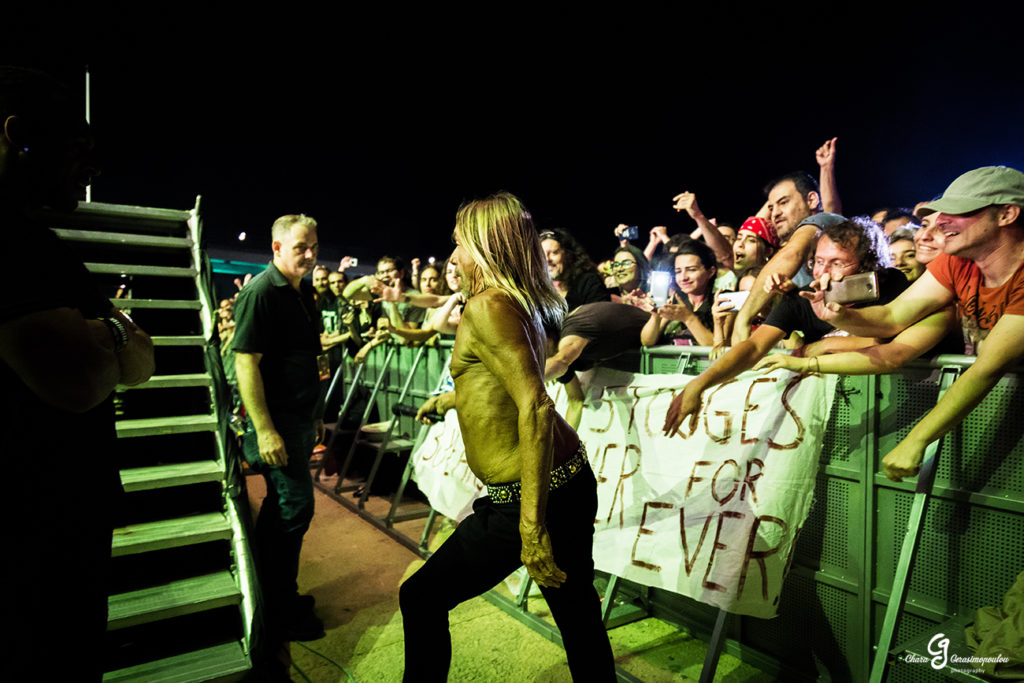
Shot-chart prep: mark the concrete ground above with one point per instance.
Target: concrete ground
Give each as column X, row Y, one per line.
column 353, row 569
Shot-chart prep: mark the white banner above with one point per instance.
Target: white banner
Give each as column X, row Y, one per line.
column 712, row 515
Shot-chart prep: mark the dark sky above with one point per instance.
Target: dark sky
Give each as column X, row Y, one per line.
column 381, row 126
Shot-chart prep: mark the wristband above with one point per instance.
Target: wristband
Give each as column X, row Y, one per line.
column 118, row 331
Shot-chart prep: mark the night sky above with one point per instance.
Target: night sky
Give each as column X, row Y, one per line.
column 382, row 126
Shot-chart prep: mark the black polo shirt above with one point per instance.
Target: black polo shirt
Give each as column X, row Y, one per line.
column 273, row 319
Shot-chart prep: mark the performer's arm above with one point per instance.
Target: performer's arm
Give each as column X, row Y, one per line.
column 502, row 338
column 1000, row 352
column 250, row 386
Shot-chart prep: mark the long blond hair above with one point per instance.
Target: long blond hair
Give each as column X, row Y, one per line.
column 499, row 234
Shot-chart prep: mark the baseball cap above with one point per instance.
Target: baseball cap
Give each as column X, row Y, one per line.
column 762, row 229
column 977, row 189
column 823, row 220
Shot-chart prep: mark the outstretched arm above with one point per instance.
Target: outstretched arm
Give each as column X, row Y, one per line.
column 924, row 296
column 740, row 357
column 875, row 358
column 687, row 201
column 1000, row 352
column 569, row 349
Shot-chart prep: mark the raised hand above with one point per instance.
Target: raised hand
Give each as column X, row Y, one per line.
column 826, row 154
column 659, row 233
column 687, row 201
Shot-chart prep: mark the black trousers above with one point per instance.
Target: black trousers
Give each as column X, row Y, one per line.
column 482, row 551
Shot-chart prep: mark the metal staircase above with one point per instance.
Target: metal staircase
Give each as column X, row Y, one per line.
column 182, row 602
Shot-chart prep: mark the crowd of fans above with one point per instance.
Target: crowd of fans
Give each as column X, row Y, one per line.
column 742, row 289
column 723, row 280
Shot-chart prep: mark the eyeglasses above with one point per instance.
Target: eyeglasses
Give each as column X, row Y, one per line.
column 614, row 265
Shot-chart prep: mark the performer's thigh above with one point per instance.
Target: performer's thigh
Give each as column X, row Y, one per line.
column 482, row 551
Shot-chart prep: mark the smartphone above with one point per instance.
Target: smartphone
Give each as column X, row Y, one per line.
column 353, row 262
column 853, row 289
column 660, row 281
column 737, row 299
column 630, row 233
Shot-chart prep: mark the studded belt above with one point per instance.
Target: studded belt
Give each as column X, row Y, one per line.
column 512, row 492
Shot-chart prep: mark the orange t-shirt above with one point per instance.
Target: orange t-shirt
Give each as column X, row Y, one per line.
column 980, row 307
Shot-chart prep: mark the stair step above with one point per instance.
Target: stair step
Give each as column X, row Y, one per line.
column 179, row 340
column 158, row 303
column 102, row 237
column 166, row 476
column 92, row 210
column 128, row 269
column 174, row 599
column 170, row 533
column 196, row 379
column 153, row 426
column 395, row 445
column 209, row 664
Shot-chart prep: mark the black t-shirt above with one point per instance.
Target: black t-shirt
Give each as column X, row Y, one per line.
column 588, row 288
column 29, row 428
column 793, row 312
column 611, row 330
column 273, row 319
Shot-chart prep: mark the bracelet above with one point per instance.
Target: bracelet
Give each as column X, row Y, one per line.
column 118, row 331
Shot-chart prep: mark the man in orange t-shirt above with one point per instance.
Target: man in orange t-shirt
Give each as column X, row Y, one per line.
column 981, row 215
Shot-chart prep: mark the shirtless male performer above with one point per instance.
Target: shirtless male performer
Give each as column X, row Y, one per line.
column 542, row 495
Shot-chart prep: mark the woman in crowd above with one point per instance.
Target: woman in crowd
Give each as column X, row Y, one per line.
column 693, row 291
column 904, row 253
column 632, row 273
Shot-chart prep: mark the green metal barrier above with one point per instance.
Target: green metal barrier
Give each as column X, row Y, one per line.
column 834, row 600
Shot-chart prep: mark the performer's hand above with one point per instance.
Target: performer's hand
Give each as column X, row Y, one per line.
column 903, row 461
column 271, row 447
column 686, row 404
column 435, row 405
column 538, row 556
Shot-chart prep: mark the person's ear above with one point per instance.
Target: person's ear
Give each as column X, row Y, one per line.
column 14, row 133
column 813, row 200
column 275, row 246
column 1008, row 214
